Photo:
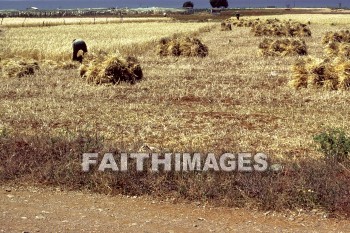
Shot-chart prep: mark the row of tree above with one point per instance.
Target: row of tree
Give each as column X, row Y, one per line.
column 213, row 3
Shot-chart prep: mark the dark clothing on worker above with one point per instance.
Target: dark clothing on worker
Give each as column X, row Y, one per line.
column 79, row 44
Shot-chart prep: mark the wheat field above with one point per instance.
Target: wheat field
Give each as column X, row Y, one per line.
column 55, row 42
column 320, row 19
column 37, row 22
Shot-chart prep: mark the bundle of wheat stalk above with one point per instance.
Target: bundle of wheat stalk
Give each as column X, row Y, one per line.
column 226, row 26
column 342, row 36
column 272, row 21
column 338, row 49
column 18, row 68
column 285, row 28
column 318, row 73
column 182, row 46
column 282, row 47
column 112, row 70
column 243, row 22
column 342, row 68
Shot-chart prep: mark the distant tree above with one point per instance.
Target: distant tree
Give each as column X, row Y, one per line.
column 188, row 4
column 218, row 3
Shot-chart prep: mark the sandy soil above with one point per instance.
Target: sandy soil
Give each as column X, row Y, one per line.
column 28, row 209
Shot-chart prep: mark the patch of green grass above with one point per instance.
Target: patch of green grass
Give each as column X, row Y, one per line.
column 334, row 144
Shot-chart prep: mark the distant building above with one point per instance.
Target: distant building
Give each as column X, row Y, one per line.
column 189, row 10
column 216, row 11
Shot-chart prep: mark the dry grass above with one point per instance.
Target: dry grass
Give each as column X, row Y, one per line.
column 233, row 100
column 303, row 185
column 282, row 47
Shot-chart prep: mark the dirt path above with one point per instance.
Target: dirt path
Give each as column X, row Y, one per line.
column 28, row 209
